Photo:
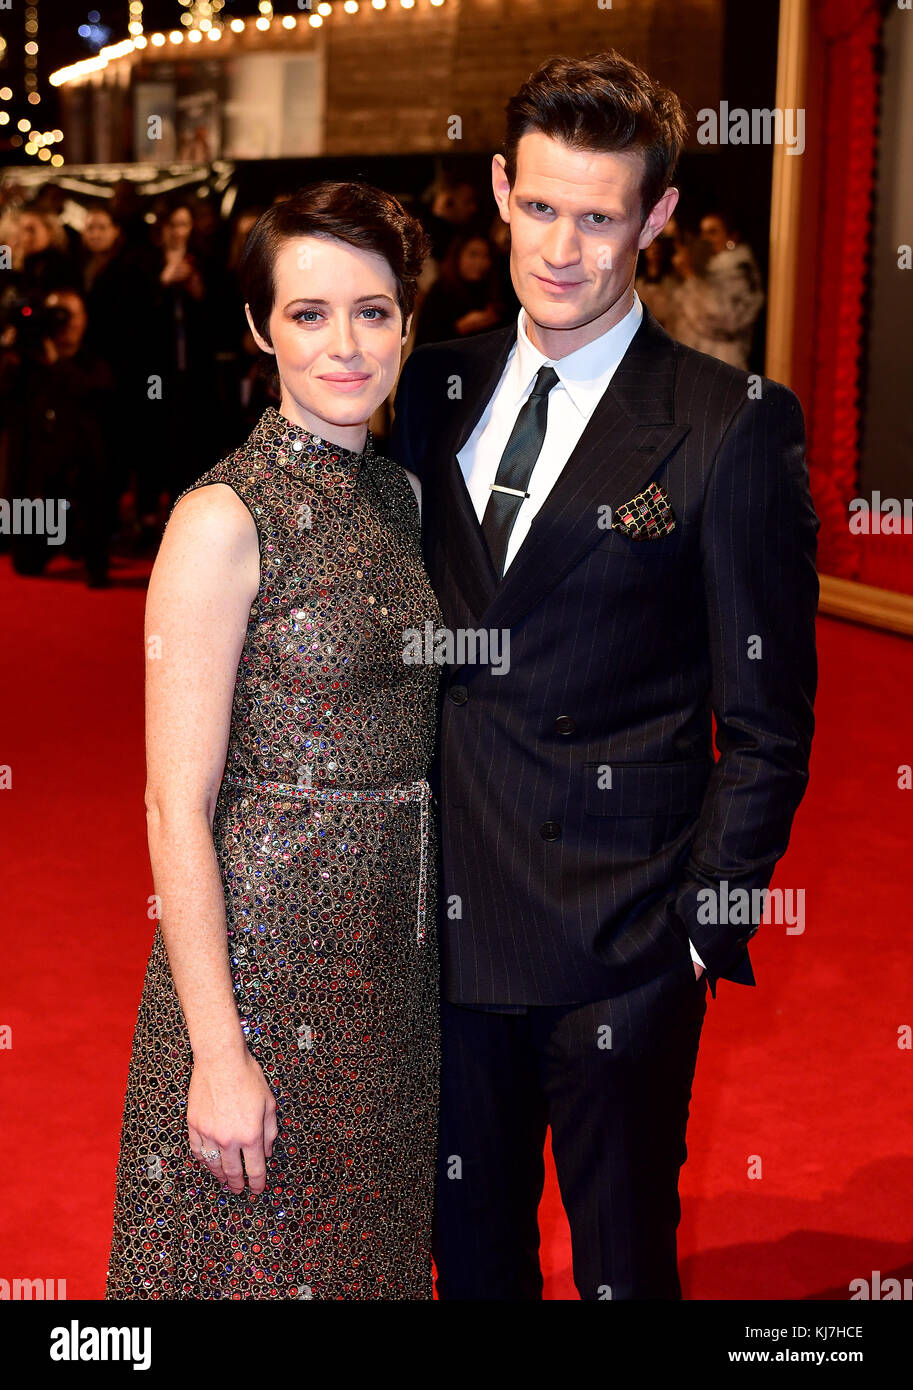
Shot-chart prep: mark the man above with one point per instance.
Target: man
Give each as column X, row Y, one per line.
column 56, row 400
column 636, row 516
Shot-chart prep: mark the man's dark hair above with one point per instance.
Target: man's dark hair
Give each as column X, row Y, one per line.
column 603, row 103
column 355, row 213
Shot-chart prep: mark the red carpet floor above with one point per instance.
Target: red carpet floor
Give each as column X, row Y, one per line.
column 803, row 1073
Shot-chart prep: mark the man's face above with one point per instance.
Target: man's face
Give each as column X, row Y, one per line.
column 575, row 230
column 714, row 232
column 464, row 203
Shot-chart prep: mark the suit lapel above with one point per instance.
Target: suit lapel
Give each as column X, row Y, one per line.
column 631, row 432
column 458, row 535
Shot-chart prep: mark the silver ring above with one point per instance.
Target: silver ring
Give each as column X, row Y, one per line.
column 211, row 1154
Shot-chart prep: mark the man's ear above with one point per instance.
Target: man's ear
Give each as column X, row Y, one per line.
column 261, row 342
column 500, row 185
column 658, row 217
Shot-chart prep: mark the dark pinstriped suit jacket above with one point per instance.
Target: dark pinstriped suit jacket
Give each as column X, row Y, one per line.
column 561, row 882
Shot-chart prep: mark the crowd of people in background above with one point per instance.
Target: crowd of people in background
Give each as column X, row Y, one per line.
column 704, row 289
column 127, row 367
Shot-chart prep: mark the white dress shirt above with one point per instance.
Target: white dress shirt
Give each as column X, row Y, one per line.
column 583, row 376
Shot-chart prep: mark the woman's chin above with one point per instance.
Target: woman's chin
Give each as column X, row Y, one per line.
column 346, row 410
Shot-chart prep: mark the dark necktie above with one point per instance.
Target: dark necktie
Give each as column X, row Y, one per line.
column 515, row 468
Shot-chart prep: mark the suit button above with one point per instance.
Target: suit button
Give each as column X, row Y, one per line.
column 564, row 724
column 551, row 830
column 458, row 694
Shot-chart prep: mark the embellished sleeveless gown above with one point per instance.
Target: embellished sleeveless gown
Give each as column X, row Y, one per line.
column 324, row 837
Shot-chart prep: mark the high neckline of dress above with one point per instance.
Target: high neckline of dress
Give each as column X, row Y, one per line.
column 307, row 455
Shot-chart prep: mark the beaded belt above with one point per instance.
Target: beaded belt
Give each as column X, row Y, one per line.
column 400, row 793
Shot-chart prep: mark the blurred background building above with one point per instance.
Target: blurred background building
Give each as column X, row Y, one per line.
column 141, row 138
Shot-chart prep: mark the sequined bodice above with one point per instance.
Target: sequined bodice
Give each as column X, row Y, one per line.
column 324, row 696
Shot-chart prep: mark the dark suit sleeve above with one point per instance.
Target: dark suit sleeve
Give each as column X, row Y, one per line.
column 758, row 544
column 401, row 450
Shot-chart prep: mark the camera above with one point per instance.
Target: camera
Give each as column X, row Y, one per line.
column 32, row 319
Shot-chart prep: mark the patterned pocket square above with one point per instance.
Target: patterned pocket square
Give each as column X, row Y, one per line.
column 647, row 517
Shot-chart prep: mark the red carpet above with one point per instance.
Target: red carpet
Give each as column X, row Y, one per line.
column 804, row 1073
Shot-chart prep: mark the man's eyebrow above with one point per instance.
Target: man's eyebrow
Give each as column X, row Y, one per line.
column 362, row 299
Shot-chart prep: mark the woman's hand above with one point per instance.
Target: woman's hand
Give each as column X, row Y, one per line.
column 176, row 270
column 231, row 1108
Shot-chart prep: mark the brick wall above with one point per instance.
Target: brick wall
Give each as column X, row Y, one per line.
column 395, row 77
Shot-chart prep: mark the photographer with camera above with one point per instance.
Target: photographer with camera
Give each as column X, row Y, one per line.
column 56, row 400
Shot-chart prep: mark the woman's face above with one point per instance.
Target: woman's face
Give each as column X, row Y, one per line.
column 178, row 229
column 33, row 233
column 475, row 260
column 99, row 233
column 337, row 334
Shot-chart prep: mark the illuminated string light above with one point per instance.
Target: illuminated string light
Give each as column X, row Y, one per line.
column 200, row 17
column 30, row 61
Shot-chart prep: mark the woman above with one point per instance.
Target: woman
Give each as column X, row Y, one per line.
column 183, row 330
column 46, row 264
column 465, row 298
column 280, row 1121
column 720, row 297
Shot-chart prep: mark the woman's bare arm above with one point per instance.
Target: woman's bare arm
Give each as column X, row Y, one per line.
column 204, row 581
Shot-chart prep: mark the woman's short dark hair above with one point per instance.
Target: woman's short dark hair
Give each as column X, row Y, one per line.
column 604, row 103
column 355, row 213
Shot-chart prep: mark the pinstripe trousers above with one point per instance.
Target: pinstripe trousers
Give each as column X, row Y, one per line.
column 613, row 1080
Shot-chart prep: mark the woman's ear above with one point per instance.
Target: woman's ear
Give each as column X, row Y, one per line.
column 261, row 342
column 407, row 327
